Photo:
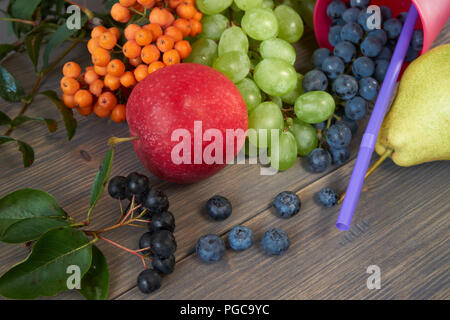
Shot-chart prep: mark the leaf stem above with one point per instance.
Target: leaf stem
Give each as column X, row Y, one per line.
column 33, row 23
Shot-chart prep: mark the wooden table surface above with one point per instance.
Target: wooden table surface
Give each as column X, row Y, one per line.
column 401, row 223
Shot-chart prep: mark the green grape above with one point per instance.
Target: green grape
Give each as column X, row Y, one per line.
column 294, row 94
column 277, row 101
column 305, row 135
column 204, row 51
column 248, row 4
column 265, row 116
column 213, row 6
column 278, row 48
column 250, row 92
column 283, row 156
column 234, row 64
column 314, row 106
column 233, row 39
column 213, row 26
column 268, row 4
column 260, row 24
column 290, row 22
column 275, row 77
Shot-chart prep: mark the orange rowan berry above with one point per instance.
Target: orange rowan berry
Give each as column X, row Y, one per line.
column 92, row 45
column 115, row 68
column 131, row 30
column 84, row 111
column 131, row 49
column 101, row 112
column 186, row 11
column 135, row 61
column 155, row 66
column 107, row 40
column 119, row 113
column 107, row 100
column 143, row 37
column 115, row 31
column 165, row 43
column 101, row 57
column 171, row 57
column 184, row 48
column 175, row 3
column 189, row 2
column 155, row 29
column 174, row 33
column 120, row 13
column 69, row 101
column 141, row 72
column 127, row 79
column 146, row 3
column 196, row 27
column 111, row 82
column 98, row 31
column 150, row 54
column 96, row 87
column 163, row 17
column 101, row 71
column 127, row 3
column 183, row 25
column 69, row 85
column 72, row 70
column 90, row 76
column 198, row 16
column 83, row 98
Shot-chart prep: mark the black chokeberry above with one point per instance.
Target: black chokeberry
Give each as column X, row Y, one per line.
column 145, row 242
column 163, row 243
column 137, row 184
column 117, row 187
column 156, row 201
column 162, row 221
column 149, row 280
column 218, row 208
column 165, row 266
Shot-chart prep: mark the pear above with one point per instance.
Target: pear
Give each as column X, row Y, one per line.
column 417, row 127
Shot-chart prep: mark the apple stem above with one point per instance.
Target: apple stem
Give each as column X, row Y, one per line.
column 373, row 167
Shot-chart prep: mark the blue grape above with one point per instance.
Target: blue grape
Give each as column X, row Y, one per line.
column 393, row 27
column 352, row 32
column 411, row 54
column 381, row 69
column 417, row 40
column 352, row 124
column 334, row 35
column 339, row 135
column 340, row 155
column 333, row 67
column 363, row 67
column 368, row 88
column 371, row 46
column 315, row 80
column 318, row 160
column 345, row 50
column 351, row 15
column 356, row 108
column 345, row 87
column 335, row 9
column 319, row 55
column 385, row 54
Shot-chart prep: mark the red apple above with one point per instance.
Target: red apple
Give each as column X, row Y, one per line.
column 183, row 113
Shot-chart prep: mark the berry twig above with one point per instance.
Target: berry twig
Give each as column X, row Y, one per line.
column 134, row 252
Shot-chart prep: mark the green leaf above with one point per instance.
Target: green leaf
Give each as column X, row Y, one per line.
column 95, row 283
column 4, row 119
column 27, row 213
column 10, row 88
column 5, row 49
column 44, row 272
column 19, row 120
column 33, row 45
column 24, row 9
column 101, row 179
column 62, row 34
column 26, row 149
column 70, row 122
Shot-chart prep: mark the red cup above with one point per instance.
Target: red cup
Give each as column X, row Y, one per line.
column 433, row 14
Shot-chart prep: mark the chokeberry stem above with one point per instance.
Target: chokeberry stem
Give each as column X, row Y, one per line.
column 337, row 117
column 134, row 252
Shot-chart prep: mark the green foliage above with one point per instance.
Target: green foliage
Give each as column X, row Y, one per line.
column 26, row 150
column 10, row 88
column 101, row 179
column 95, row 284
column 70, row 123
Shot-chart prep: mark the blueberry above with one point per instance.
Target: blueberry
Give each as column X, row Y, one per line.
column 218, row 208
column 137, row 184
column 240, row 238
column 340, row 155
column 156, row 201
column 351, row 15
column 320, row 125
column 328, row 197
column 385, row 54
column 318, row 160
column 345, row 50
column 162, row 221
column 319, row 55
column 417, row 40
column 275, row 241
column 368, row 88
column 148, row 281
column 314, row 80
column 411, row 54
column 359, row 3
column 380, row 34
column 335, row 9
column 210, row 248
column 381, row 69
column 363, row 18
column 363, row 67
column 334, row 35
column 350, row 123
column 352, row 32
column 287, row 204
column 356, row 108
column 164, row 266
column 345, row 87
column 371, row 46
column 333, row 67
column 339, row 135
column 117, row 187
column 163, row 243
column 393, row 27
column 145, row 242
column 402, row 16
column 386, row 13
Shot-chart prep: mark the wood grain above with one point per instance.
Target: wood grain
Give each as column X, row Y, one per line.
column 404, row 206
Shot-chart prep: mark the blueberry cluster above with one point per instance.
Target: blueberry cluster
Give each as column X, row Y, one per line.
column 159, row 238
column 353, row 72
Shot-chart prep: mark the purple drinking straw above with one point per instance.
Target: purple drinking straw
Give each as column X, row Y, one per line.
column 370, row 136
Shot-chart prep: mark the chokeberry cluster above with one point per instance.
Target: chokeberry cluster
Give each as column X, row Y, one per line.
column 158, row 243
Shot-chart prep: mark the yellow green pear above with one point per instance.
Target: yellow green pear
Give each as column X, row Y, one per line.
column 417, row 127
